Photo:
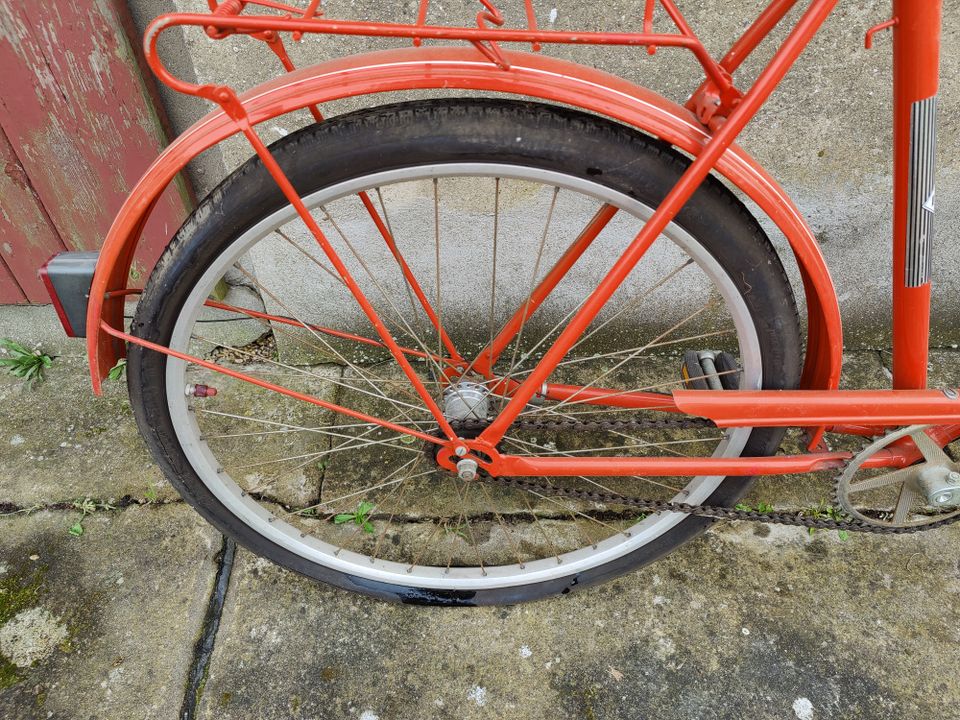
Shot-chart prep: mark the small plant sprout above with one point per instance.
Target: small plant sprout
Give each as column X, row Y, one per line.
column 117, row 371
column 761, row 507
column 361, row 516
column 458, row 530
column 23, row 510
column 86, row 506
column 150, row 494
column 824, row 511
column 23, row 363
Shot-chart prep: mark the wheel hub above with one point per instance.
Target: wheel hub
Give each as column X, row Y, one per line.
column 466, row 401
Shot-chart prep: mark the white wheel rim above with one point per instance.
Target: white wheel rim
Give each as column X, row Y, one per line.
column 289, row 537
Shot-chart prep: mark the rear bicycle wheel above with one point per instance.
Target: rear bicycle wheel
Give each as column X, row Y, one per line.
column 483, row 200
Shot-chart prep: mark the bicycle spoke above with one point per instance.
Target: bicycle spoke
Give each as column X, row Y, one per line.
column 638, row 351
column 414, row 314
column 379, row 394
column 310, row 256
column 632, row 446
column 637, row 442
column 331, row 451
column 633, row 302
column 367, row 490
column 436, row 235
column 386, row 296
column 533, row 282
column 460, row 518
column 507, row 530
column 322, row 340
column 402, row 485
column 466, row 518
column 576, row 513
column 426, row 546
column 539, row 525
column 621, row 393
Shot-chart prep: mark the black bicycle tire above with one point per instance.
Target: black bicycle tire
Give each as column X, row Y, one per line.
column 436, row 131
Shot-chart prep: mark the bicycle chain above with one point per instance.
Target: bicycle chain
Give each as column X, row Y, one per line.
column 713, row 512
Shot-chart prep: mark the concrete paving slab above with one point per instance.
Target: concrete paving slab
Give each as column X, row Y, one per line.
column 59, row 442
column 102, row 625
column 944, row 368
column 746, row 622
column 752, row 621
column 33, row 325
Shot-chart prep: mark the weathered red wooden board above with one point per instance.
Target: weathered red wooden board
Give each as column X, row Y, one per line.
column 80, row 121
column 25, row 231
column 10, row 291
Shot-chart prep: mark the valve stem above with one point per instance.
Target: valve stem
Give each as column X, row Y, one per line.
column 200, row 391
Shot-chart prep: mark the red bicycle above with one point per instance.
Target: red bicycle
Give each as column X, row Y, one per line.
column 475, row 350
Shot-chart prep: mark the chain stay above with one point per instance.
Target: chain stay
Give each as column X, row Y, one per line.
column 713, row 512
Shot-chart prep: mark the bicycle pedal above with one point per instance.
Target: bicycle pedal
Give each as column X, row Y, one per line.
column 709, row 370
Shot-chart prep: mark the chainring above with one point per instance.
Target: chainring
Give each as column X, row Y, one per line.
column 905, row 478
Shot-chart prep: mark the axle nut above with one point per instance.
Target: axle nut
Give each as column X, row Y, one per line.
column 467, row 469
column 943, row 499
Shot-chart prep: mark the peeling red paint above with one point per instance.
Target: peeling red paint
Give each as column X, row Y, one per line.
column 81, row 128
column 27, row 237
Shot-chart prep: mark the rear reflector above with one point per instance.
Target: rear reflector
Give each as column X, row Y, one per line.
column 68, row 277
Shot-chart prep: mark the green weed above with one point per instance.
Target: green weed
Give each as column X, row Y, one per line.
column 136, row 271
column 458, row 530
column 25, row 511
column 761, row 507
column 361, row 516
column 23, row 363
column 825, row 511
column 117, row 371
column 86, row 506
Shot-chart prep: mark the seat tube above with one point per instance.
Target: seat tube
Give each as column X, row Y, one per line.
column 916, row 72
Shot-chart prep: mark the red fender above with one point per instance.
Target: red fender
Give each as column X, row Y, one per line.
column 529, row 75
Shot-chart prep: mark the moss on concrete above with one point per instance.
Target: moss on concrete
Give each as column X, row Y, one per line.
column 19, row 589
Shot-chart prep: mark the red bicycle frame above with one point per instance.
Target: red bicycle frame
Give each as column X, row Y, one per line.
column 714, row 117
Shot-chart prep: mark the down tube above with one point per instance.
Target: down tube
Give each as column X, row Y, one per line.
column 768, row 80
